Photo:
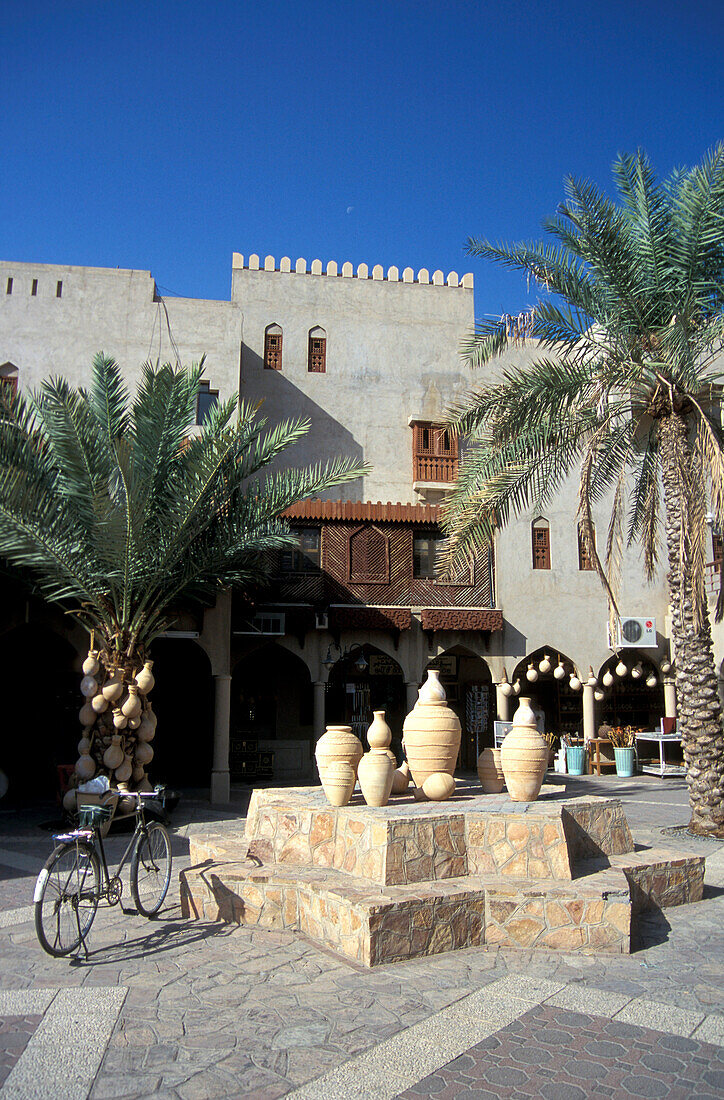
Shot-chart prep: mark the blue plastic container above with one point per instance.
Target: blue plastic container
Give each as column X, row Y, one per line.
column 576, row 759
column 624, row 761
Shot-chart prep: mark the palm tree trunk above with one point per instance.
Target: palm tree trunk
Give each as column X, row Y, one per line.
column 699, row 712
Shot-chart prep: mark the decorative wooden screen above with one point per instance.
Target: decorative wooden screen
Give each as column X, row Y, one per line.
column 435, row 453
column 317, row 353
column 585, row 561
column 273, row 348
column 541, row 544
column 369, row 557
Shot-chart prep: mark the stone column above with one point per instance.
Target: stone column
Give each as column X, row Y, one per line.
column 669, row 699
column 220, row 781
column 589, row 713
column 319, row 715
column 411, row 688
column 502, row 703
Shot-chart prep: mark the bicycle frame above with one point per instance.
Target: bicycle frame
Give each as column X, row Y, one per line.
column 94, row 836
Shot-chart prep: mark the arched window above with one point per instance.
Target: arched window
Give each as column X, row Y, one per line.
column 369, row 557
column 9, row 378
column 585, row 560
column 273, row 347
column 317, row 351
column 541, row 534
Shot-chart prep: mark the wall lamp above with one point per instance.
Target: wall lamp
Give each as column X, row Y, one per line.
column 361, row 664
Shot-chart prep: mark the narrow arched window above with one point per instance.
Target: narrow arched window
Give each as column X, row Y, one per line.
column 369, row 556
column 541, row 534
column 9, row 378
column 273, row 347
column 317, row 351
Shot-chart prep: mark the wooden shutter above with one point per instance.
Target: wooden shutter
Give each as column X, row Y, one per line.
column 541, row 548
column 369, row 557
column 273, row 351
column 317, row 357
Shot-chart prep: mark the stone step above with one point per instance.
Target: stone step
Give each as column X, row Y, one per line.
column 373, row 923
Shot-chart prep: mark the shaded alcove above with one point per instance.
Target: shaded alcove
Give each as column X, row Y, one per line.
column 562, row 707
column 353, row 693
column 183, row 699
column 469, row 688
column 629, row 700
column 40, row 686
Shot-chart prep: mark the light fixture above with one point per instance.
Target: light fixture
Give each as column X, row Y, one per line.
column 361, row 664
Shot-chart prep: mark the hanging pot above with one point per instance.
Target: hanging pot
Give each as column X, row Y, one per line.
column 88, row 686
column 84, row 746
column 665, row 667
column 607, row 678
column 113, row 687
column 119, row 719
column 124, row 770
column 99, row 703
column 621, row 669
column 599, row 695
column 516, row 687
column 146, row 730
column 375, row 773
column 90, row 665
column 143, row 754
column 379, row 733
column 591, row 681
column 559, row 671
column 113, row 756
column 545, row 665
column 134, row 723
column 532, row 673
column 86, row 714
column 651, row 680
column 132, row 706
column 637, row 671
column 575, row 683
column 85, row 767
column 150, row 716
column 524, row 756
column 145, row 679
column 138, row 773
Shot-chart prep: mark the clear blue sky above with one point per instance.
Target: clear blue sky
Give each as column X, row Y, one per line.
column 167, row 135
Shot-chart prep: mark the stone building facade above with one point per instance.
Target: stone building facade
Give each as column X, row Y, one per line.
column 354, row 616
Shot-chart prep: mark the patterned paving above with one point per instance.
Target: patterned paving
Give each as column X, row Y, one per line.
column 15, row 1034
column 560, row 1055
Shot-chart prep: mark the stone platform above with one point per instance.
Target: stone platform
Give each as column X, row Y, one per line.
column 385, row 884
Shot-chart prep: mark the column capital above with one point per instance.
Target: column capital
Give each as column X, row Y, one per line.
column 222, row 675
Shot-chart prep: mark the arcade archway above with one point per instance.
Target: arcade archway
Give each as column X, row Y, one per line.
column 550, row 690
column 356, row 689
column 469, row 688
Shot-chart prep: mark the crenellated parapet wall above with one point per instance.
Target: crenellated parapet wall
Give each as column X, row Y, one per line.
column 347, row 271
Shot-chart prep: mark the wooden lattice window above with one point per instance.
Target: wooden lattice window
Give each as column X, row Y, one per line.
column 317, row 351
column 435, row 453
column 369, row 556
column 541, row 544
column 9, row 379
column 585, row 561
column 273, row 348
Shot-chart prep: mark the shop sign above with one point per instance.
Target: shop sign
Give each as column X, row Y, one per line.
column 382, row 665
column 447, row 665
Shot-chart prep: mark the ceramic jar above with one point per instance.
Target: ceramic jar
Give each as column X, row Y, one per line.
column 99, row 703
column 379, row 733
column 132, row 705
column 375, row 773
column 85, row 767
column 119, row 719
column 124, row 770
column 84, row 746
column 88, row 686
column 524, row 756
column 338, row 781
column 401, row 778
column 146, row 729
column 90, row 665
column 86, row 714
column 113, row 756
column 144, row 754
column 490, row 771
column 338, row 743
column 145, row 679
column 431, row 733
column 113, row 687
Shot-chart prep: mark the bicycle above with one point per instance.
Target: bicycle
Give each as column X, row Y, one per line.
column 75, row 877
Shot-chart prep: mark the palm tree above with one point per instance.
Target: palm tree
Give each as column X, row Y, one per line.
column 117, row 511
column 626, row 389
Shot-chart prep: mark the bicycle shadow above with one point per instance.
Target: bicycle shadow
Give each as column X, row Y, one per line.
column 169, row 932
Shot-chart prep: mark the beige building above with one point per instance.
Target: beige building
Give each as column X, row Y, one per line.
column 354, row 617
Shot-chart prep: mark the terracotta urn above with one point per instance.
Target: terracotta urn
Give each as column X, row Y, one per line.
column 524, row 756
column 401, row 778
column 138, row 773
column 99, row 703
column 113, row 687
column 490, row 771
column 150, row 716
column 145, row 679
column 338, row 743
column 439, row 786
column 90, row 665
column 113, row 756
column 144, row 786
column 132, row 705
column 375, row 772
column 379, row 733
column 338, row 781
column 431, row 733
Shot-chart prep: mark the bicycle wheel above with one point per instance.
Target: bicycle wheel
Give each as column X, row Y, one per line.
column 151, row 869
column 66, row 897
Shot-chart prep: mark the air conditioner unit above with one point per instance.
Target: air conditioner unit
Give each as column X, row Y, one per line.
column 635, row 633
column 321, row 620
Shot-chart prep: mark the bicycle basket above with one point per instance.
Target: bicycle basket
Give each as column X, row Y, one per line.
column 91, row 816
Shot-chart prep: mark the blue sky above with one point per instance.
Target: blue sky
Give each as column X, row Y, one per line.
column 167, row 135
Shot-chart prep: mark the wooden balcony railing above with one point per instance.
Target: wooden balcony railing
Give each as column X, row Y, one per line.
column 435, row 468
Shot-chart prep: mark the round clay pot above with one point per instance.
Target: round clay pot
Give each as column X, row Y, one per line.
column 145, row 679
column 69, row 803
column 379, row 733
column 419, row 795
column 119, row 719
column 85, row 767
column 99, row 703
column 132, row 705
column 524, row 756
column 138, row 773
column 439, row 786
column 144, row 754
column 113, row 756
column 338, row 743
column 134, row 723
column 490, row 771
column 86, row 714
column 146, row 730
column 144, row 786
column 88, row 686
column 90, row 665
column 124, row 770
column 338, row 781
column 401, row 779
column 375, row 772
column 431, row 735
column 150, row 716
column 113, row 687
column 84, row 746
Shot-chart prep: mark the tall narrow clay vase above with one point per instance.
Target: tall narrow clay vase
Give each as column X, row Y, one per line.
column 490, row 771
column 375, row 773
column 524, row 756
column 338, row 743
column 379, row 733
column 431, row 733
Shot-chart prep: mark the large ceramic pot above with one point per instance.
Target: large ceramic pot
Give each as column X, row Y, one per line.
column 338, row 743
column 431, row 733
column 338, row 782
column 490, row 771
column 524, row 756
column 375, row 773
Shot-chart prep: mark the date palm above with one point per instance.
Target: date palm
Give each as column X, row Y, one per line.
column 625, row 390
column 119, row 510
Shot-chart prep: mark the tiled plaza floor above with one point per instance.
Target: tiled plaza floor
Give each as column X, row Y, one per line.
column 15, row 1033
column 199, row 1011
